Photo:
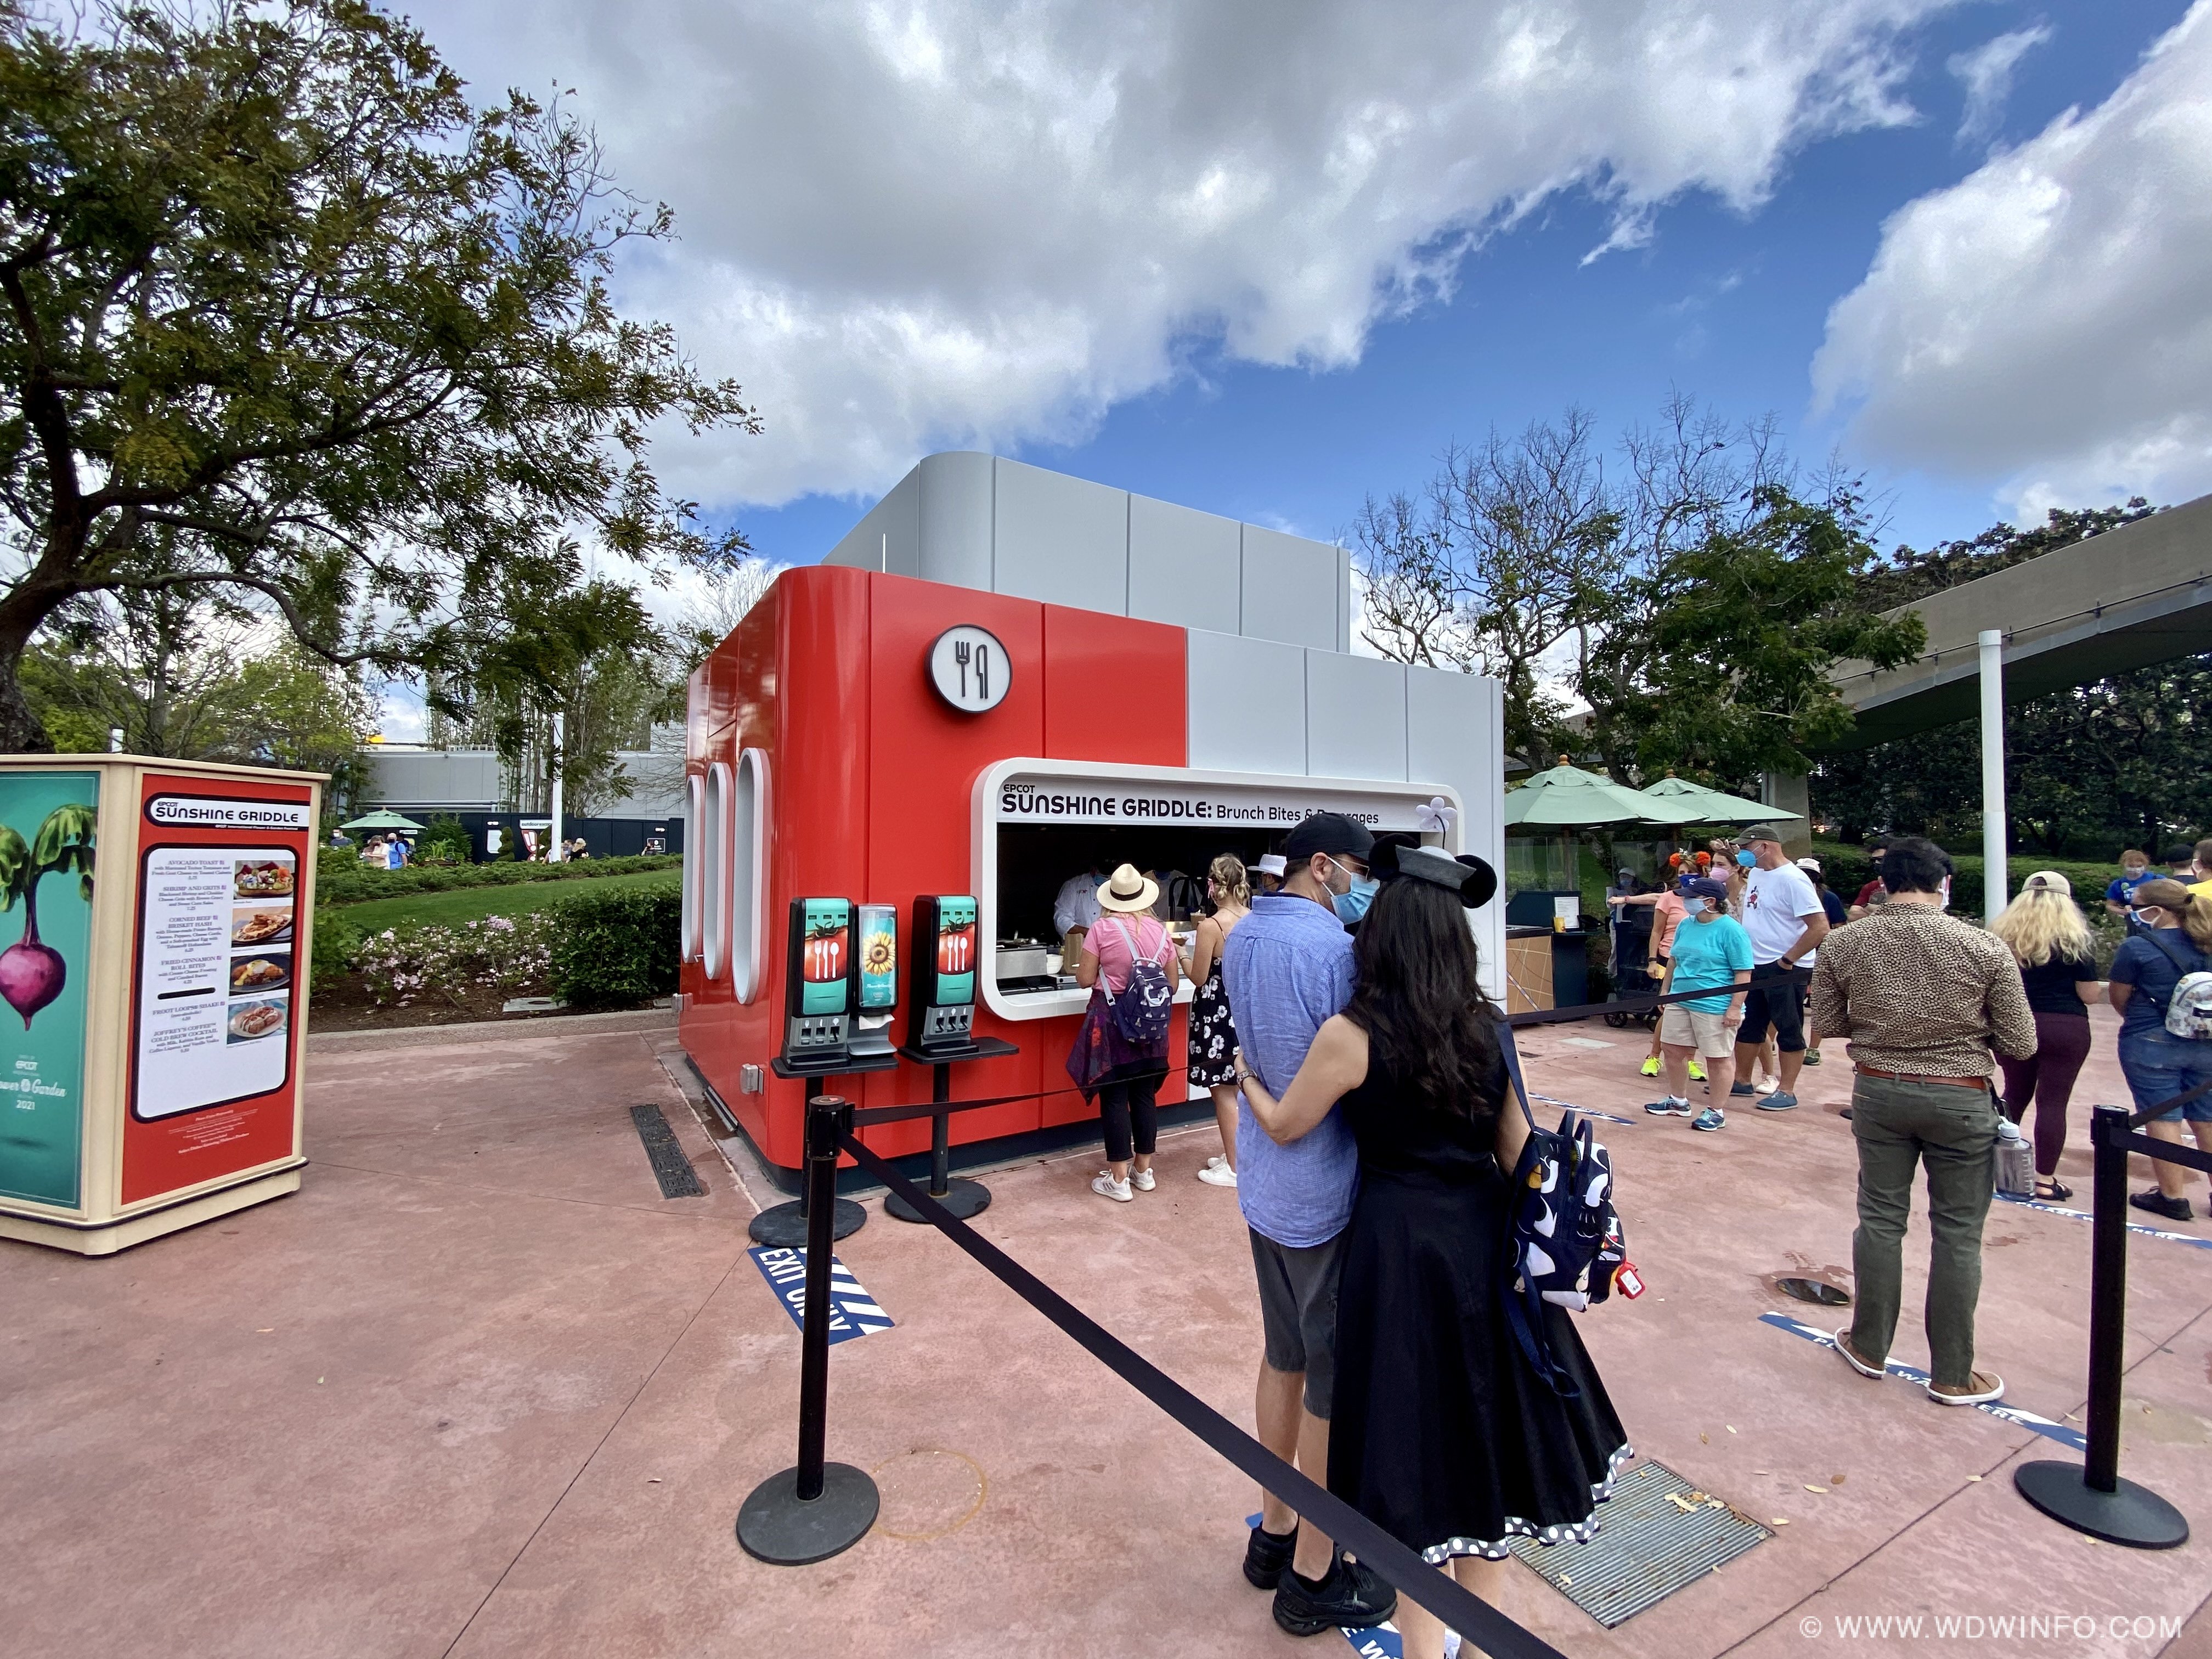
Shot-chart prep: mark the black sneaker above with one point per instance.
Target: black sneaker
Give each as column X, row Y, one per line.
column 2173, row 1209
column 1352, row 1597
column 1267, row 1557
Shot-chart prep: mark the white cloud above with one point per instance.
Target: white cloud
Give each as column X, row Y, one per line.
column 1986, row 73
column 2047, row 323
column 914, row 223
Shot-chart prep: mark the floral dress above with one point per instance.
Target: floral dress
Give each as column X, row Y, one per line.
column 1212, row 1033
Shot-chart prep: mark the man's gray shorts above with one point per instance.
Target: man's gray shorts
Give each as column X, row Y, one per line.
column 1297, row 1311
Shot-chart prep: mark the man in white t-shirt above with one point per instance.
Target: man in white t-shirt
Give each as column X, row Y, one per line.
column 1782, row 914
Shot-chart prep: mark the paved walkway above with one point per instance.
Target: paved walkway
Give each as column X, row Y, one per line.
column 478, row 1390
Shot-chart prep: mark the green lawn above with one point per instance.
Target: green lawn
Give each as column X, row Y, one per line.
column 474, row 903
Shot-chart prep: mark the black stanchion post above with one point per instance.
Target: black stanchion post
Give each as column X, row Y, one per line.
column 818, row 1508
column 788, row 1226
column 2095, row 1499
column 964, row 1198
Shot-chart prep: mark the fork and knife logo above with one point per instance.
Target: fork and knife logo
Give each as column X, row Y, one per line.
column 969, row 669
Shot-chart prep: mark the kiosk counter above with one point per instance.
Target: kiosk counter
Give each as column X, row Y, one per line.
column 871, row 756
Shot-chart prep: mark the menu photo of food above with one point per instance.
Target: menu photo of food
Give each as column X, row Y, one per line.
column 259, row 924
column 250, row 1022
column 260, row 970
column 262, row 878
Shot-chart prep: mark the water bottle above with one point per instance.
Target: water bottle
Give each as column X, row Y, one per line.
column 2015, row 1162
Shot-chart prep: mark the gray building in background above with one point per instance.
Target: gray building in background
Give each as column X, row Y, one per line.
column 471, row 785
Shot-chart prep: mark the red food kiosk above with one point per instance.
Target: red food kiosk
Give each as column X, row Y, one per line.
column 871, row 754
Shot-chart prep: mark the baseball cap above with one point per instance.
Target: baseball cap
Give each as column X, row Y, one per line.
column 2049, row 881
column 1704, row 887
column 1808, row 862
column 1328, row 832
column 1271, row 864
column 1760, row 832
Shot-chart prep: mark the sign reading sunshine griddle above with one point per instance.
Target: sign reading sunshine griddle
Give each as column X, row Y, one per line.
column 1269, row 806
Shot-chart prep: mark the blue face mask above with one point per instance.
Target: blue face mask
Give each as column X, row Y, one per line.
column 1352, row 906
column 1747, row 858
column 1693, row 907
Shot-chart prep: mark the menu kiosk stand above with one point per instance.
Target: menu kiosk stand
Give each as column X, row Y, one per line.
column 157, row 996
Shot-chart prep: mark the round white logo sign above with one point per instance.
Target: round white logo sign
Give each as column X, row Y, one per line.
column 969, row 669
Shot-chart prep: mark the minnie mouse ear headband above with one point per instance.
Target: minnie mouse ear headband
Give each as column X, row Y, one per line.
column 1473, row 879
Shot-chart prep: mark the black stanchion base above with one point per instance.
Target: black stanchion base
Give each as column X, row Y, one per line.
column 778, row 1527
column 781, row 1224
column 2134, row 1515
column 967, row 1199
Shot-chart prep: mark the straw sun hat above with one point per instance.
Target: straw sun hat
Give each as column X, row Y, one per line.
column 1125, row 889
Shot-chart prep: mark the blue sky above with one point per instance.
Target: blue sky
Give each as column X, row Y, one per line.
column 1267, row 256
column 1727, row 306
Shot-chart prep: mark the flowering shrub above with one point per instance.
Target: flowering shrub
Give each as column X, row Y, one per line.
column 507, row 953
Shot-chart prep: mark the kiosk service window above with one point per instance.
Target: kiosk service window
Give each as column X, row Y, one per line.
column 1041, row 823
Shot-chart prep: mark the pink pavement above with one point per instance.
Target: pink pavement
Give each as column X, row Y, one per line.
column 479, row 1390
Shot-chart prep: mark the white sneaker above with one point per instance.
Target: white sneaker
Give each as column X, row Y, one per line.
column 1218, row 1174
column 1105, row 1186
column 1142, row 1179
column 1216, row 1161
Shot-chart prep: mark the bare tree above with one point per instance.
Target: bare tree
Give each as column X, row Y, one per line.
column 1515, row 548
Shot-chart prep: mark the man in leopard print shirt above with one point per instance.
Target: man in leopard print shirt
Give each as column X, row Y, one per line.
column 1923, row 998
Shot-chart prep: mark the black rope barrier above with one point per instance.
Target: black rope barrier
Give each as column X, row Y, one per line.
column 2164, row 1106
column 1651, row 1000
column 1458, row 1606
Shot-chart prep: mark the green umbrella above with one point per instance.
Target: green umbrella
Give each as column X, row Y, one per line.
column 1712, row 806
column 382, row 820
column 1566, row 797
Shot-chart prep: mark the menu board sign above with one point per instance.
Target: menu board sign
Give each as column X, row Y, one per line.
column 215, row 976
column 216, row 985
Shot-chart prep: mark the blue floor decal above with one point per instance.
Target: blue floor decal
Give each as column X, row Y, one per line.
column 2061, row 1433
column 853, row 1311
column 2083, row 1215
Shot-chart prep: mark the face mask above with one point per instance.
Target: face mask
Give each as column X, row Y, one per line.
column 2148, row 916
column 1694, row 907
column 1747, row 858
column 1947, row 892
column 1352, row 906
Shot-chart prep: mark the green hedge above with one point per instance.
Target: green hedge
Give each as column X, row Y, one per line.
column 617, row 948
column 335, row 942
column 1846, row 869
column 342, row 878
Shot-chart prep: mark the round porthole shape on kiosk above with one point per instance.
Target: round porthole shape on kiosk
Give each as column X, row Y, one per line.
column 745, row 859
column 695, row 792
column 713, row 854
column 969, row 669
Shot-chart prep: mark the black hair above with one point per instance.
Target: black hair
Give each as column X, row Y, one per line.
column 1879, row 844
column 1915, row 865
column 1419, row 998
column 2179, row 855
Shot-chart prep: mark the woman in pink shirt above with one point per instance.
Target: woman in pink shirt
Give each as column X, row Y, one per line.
column 1664, row 923
column 1127, row 1088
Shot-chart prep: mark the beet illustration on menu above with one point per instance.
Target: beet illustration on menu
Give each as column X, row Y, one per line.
column 32, row 974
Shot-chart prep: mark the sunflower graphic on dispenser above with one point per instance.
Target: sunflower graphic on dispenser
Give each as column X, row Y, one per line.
column 32, row 974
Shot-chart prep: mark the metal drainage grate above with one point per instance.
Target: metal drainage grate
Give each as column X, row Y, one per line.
column 1650, row 1547
column 670, row 1168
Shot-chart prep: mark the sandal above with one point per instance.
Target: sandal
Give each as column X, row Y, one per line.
column 2059, row 1191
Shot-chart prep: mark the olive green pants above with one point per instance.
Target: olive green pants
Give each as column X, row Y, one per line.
column 1952, row 1131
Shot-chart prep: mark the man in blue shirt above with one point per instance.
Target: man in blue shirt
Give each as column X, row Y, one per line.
column 1288, row 969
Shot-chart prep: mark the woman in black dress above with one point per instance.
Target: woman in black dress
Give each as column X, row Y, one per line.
column 1441, row 1434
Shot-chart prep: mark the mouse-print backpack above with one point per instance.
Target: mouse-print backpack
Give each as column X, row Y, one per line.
column 1563, row 1235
